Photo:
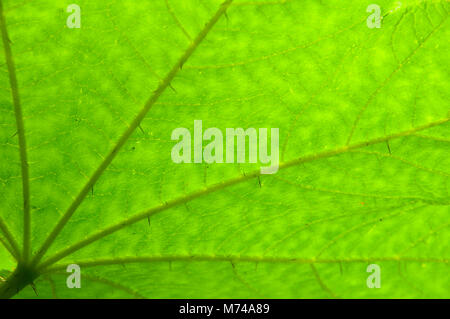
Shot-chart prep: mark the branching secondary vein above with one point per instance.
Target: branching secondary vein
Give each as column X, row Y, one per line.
column 9, row 248
column 10, row 239
column 236, row 259
column 321, row 283
column 137, row 120
column 184, row 199
column 20, row 134
column 389, row 78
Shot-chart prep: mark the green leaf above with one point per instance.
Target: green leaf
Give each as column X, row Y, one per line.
column 86, row 122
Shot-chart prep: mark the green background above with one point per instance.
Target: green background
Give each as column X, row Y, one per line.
column 311, row 68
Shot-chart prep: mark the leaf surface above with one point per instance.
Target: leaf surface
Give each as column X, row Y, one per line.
column 364, row 146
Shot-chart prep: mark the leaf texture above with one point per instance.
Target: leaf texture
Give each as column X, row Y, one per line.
column 364, row 147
